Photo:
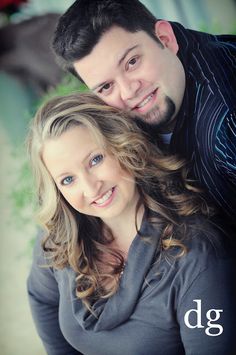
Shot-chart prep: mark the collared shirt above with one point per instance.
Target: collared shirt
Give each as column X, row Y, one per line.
column 205, row 131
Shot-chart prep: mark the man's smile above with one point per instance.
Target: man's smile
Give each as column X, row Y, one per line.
column 146, row 103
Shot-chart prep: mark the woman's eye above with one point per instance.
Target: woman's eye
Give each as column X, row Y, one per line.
column 67, row 181
column 97, row 159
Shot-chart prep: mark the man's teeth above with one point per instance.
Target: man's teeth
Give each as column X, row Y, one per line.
column 144, row 102
column 104, row 198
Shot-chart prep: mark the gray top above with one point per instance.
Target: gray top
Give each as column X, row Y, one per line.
column 149, row 313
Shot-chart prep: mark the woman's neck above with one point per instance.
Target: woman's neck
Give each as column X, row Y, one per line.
column 124, row 230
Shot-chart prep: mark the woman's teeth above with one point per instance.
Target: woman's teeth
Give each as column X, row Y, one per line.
column 104, row 198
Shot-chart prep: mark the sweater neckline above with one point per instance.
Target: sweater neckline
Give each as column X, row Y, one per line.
column 110, row 313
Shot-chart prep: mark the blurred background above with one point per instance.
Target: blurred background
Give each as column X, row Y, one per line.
column 28, row 76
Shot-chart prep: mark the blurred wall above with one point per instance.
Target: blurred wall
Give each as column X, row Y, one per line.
column 191, row 13
column 214, row 15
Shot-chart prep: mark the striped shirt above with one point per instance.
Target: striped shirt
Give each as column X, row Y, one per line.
column 205, row 132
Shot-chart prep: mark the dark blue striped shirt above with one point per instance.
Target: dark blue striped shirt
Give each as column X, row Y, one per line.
column 205, row 132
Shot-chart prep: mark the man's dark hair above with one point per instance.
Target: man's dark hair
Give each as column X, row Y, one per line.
column 83, row 24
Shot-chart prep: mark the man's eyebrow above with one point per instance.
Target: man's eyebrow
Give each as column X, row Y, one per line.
column 128, row 50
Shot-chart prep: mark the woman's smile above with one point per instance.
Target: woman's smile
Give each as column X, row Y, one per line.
column 90, row 179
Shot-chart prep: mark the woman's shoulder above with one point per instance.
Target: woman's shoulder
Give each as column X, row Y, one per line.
column 209, row 237
column 42, row 262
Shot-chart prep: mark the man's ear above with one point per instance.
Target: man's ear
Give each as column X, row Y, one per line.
column 165, row 34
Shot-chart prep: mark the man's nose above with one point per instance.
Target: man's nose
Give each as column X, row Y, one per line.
column 129, row 88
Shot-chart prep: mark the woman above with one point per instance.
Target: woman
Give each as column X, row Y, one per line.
column 128, row 264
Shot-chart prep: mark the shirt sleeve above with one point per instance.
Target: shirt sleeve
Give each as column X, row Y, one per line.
column 207, row 311
column 225, row 147
column 44, row 302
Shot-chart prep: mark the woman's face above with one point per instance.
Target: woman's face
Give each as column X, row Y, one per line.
column 89, row 178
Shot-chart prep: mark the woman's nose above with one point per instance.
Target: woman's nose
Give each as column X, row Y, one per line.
column 90, row 186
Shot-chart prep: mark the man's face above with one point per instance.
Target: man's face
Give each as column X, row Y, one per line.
column 133, row 72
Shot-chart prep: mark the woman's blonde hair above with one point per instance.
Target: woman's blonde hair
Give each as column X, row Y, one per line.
column 82, row 241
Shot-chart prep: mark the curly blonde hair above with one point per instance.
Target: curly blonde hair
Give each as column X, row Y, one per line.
column 82, row 241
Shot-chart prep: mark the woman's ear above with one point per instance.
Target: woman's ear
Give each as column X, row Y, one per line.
column 166, row 36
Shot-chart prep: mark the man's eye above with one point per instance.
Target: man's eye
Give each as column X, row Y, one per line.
column 96, row 160
column 67, row 181
column 105, row 88
column 132, row 62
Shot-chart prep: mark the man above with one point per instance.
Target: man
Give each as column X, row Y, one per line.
column 180, row 82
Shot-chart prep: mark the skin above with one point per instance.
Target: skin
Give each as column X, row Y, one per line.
column 137, row 74
column 84, row 173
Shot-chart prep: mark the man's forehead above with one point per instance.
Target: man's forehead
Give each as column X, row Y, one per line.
column 107, row 55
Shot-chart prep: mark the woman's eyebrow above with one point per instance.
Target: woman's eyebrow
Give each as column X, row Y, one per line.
column 68, row 173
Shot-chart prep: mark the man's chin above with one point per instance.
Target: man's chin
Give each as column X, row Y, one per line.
column 161, row 120
column 154, row 119
column 156, row 125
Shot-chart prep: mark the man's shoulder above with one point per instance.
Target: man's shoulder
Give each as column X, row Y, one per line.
column 213, row 55
column 204, row 39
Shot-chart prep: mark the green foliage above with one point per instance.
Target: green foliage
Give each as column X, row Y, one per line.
column 22, row 195
column 68, row 85
column 215, row 28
